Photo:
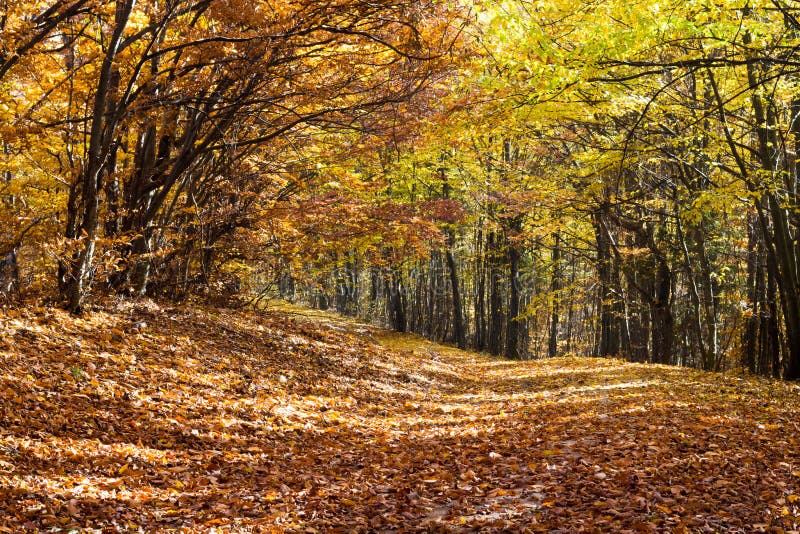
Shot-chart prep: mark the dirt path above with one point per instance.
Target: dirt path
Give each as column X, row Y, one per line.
column 199, row 419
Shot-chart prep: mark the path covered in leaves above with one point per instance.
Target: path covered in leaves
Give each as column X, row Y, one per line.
column 203, row 419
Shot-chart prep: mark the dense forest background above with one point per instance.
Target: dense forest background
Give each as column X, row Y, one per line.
column 520, row 177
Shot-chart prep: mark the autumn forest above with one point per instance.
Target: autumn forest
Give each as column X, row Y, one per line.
column 248, row 247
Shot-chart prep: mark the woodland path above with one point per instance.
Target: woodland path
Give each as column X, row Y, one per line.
column 200, row 419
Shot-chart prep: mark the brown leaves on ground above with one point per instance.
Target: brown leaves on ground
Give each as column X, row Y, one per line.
column 203, row 419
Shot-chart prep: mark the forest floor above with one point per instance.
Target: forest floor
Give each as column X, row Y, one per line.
column 141, row 417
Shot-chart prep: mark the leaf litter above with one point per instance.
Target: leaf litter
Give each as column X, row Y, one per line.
column 143, row 417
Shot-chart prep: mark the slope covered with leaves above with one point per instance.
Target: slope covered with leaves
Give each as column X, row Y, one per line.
column 206, row 419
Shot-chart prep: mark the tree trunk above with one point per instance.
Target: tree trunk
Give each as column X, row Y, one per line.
column 101, row 134
column 555, row 287
column 696, row 322
column 495, row 340
column 513, row 321
column 480, row 294
column 608, row 342
column 784, row 244
column 397, row 313
column 662, row 324
column 458, row 308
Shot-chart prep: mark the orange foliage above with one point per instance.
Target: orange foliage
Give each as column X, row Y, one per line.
column 159, row 418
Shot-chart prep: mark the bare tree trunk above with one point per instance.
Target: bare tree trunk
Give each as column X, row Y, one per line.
column 458, row 307
column 784, row 245
column 480, row 296
column 495, row 340
column 662, row 314
column 555, row 287
column 696, row 322
column 608, row 340
column 513, row 321
column 104, row 123
column 397, row 313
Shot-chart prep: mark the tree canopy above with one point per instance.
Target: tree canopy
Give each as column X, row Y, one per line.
column 526, row 178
